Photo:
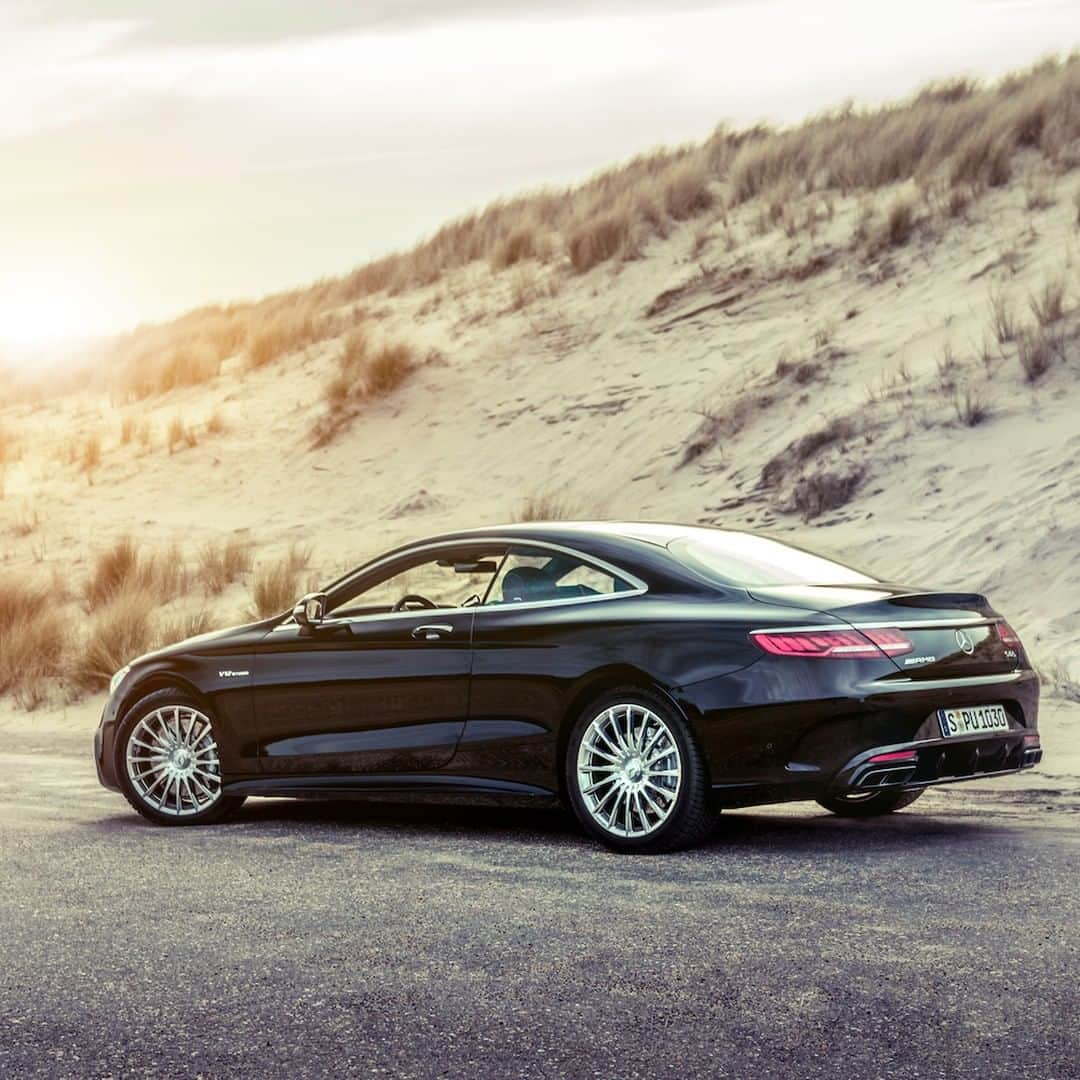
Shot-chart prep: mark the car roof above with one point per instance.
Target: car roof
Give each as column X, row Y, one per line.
column 638, row 546
column 653, row 532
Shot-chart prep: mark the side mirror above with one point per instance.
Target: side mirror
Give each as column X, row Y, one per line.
column 310, row 610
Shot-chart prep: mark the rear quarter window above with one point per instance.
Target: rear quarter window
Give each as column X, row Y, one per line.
column 741, row 559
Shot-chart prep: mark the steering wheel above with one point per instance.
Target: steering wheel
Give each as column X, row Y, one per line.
column 413, row 598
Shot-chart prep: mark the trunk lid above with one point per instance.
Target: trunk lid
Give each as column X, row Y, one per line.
column 952, row 634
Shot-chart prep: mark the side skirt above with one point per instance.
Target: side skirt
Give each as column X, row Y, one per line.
column 342, row 786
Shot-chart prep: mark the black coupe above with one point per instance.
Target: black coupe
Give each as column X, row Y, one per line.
column 644, row 675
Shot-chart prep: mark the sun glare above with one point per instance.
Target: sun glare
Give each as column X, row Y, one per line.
column 43, row 311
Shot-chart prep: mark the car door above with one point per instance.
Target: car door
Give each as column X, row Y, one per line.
column 547, row 622
column 371, row 690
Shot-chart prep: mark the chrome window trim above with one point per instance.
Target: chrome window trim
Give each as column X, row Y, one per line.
column 638, row 587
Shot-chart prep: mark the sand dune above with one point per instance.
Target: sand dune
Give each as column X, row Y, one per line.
column 854, row 397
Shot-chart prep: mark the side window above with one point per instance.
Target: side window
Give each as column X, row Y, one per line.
column 446, row 582
column 530, row 575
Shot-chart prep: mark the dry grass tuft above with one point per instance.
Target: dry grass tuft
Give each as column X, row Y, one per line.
column 717, row 424
column 899, row 223
column 982, row 159
column 190, row 365
column 518, row 245
column 180, row 435
column 216, row 423
column 548, row 506
column 33, row 638
column 121, row 629
column 123, row 568
column 972, row 408
column 144, row 433
column 838, row 431
column 276, row 586
column 365, row 373
column 388, row 369
column 1002, row 318
column 598, row 239
column 1036, row 351
column 221, row 562
column 10, row 448
column 188, row 351
column 685, row 190
column 176, row 628
column 90, row 454
column 27, row 521
column 292, row 327
column 1048, row 304
column 1039, row 192
column 827, row 490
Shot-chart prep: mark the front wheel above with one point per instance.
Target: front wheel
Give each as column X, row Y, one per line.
column 168, row 763
column 869, row 804
column 635, row 777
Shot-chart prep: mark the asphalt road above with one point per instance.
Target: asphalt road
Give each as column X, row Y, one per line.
column 362, row 939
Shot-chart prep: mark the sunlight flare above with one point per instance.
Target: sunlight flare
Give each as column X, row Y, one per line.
column 43, row 310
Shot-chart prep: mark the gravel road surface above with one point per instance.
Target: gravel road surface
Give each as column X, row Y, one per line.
column 366, row 939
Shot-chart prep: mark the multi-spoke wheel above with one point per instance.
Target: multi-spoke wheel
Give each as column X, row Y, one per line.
column 868, row 803
column 635, row 777
column 170, row 765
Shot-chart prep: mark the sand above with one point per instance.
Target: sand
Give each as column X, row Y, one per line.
column 595, row 393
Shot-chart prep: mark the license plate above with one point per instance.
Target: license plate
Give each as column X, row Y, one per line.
column 974, row 720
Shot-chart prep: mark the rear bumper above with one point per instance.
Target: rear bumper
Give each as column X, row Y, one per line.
column 776, row 733
column 940, row 761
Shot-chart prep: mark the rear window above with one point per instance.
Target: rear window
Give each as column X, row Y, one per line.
column 733, row 558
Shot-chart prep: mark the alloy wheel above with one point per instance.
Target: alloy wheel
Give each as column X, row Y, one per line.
column 172, row 761
column 629, row 770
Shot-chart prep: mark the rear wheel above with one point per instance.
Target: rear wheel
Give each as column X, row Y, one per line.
column 168, row 763
column 635, row 778
column 869, row 804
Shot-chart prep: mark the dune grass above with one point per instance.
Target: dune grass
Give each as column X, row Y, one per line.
column 277, row 583
column 33, row 638
column 221, row 562
column 366, row 371
column 120, row 629
column 549, row 505
column 124, row 567
column 954, row 140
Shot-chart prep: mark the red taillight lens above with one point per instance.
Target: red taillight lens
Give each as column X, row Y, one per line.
column 891, row 642
column 895, row 755
column 1008, row 635
column 832, row 644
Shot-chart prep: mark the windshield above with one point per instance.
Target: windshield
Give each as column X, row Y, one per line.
column 734, row 558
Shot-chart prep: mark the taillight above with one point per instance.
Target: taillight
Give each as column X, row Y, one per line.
column 1008, row 635
column 833, row 644
column 895, row 755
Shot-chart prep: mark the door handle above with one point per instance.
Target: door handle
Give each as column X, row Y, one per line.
column 432, row 631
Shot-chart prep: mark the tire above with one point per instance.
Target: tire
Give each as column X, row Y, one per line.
column 167, row 761
column 873, row 805
column 614, row 776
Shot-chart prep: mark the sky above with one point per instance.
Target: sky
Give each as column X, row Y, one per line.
column 155, row 156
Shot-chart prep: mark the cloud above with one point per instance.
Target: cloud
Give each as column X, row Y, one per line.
column 212, row 21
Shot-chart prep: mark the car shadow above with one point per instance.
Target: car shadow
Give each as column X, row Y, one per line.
column 789, row 829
